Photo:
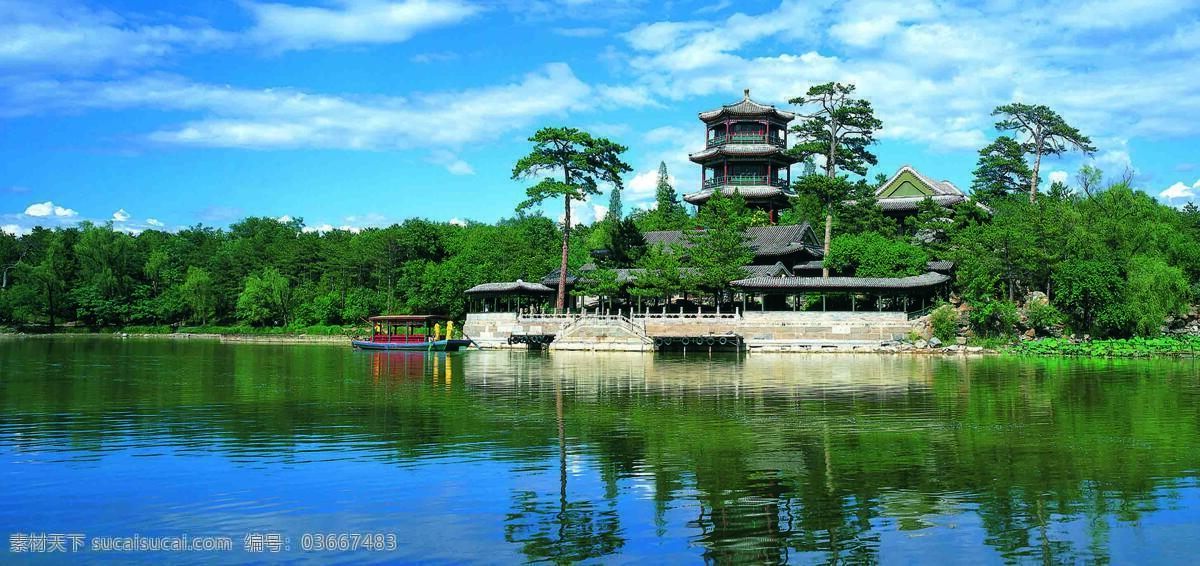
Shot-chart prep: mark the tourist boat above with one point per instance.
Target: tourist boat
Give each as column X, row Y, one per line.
column 423, row 332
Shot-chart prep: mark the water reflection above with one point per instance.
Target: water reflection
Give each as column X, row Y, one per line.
column 565, row 457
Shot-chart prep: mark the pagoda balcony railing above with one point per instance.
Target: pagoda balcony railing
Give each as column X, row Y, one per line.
column 744, row 180
column 754, row 138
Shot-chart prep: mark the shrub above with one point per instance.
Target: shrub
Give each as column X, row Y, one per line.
column 1042, row 316
column 944, row 323
column 994, row 318
column 1156, row 290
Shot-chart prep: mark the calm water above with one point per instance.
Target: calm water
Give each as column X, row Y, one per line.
column 499, row 457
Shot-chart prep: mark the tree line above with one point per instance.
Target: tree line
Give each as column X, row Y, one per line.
column 1110, row 259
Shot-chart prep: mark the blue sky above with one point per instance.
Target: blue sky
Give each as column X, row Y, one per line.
column 365, row 112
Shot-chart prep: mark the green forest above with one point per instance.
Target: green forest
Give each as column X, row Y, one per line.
column 1111, row 260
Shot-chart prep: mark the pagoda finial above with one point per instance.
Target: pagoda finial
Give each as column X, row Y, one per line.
column 746, row 93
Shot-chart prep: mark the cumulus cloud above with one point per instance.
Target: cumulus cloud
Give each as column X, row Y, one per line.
column 458, row 221
column 287, row 26
column 154, row 222
column 1059, row 176
column 1180, row 191
column 935, row 71
column 14, row 229
column 48, row 208
column 642, row 188
column 120, row 215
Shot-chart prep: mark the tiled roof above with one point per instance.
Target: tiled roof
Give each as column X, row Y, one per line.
column 742, row 150
column 517, row 286
column 912, row 203
column 777, row 270
column 842, row 283
column 764, row 240
column 938, row 187
column 938, row 266
column 747, row 191
column 551, row 279
column 748, row 108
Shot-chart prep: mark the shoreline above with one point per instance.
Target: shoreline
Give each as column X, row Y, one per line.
column 953, row 350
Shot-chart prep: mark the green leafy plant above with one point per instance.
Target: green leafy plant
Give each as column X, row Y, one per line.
column 944, row 323
column 994, row 318
column 1042, row 317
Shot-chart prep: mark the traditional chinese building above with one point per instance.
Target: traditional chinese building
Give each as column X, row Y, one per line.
column 902, row 194
column 745, row 145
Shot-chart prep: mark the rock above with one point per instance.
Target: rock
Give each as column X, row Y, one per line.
column 1030, row 334
column 935, row 343
column 974, row 349
column 921, row 344
column 1036, row 297
column 960, row 340
column 889, row 344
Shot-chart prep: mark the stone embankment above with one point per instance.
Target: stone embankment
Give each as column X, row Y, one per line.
column 756, row 331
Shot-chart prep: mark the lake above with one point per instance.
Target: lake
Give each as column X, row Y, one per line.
column 116, row 449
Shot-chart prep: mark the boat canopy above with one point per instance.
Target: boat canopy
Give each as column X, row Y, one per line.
column 407, row 318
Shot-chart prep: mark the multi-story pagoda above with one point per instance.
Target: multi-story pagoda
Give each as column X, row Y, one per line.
column 744, row 151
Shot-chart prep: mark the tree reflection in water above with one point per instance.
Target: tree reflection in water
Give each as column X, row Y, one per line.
column 761, row 459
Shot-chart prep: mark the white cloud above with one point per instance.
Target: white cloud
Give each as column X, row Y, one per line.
column 583, row 32
column 120, row 215
column 458, row 221
column 1196, row 185
column 154, row 222
column 1059, row 176
column 451, row 161
column 73, row 38
column 285, row 118
column 935, row 71
column 284, row 219
column 14, row 229
column 286, row 26
column 1180, row 190
column 318, row 228
column 48, row 208
column 642, row 188
column 460, row 167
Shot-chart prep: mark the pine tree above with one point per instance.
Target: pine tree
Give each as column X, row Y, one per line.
column 839, row 130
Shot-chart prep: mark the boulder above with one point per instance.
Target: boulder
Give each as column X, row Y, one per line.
column 921, row 344
column 960, row 340
column 935, row 343
column 1036, row 297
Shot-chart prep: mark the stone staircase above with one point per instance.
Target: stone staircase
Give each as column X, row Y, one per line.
column 603, row 332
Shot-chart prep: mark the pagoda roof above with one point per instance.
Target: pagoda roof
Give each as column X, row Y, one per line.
column 929, row 279
column 512, row 287
column 742, row 150
column 748, row 192
column 746, row 108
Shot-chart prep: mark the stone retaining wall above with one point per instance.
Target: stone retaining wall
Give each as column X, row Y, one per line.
column 762, row 331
